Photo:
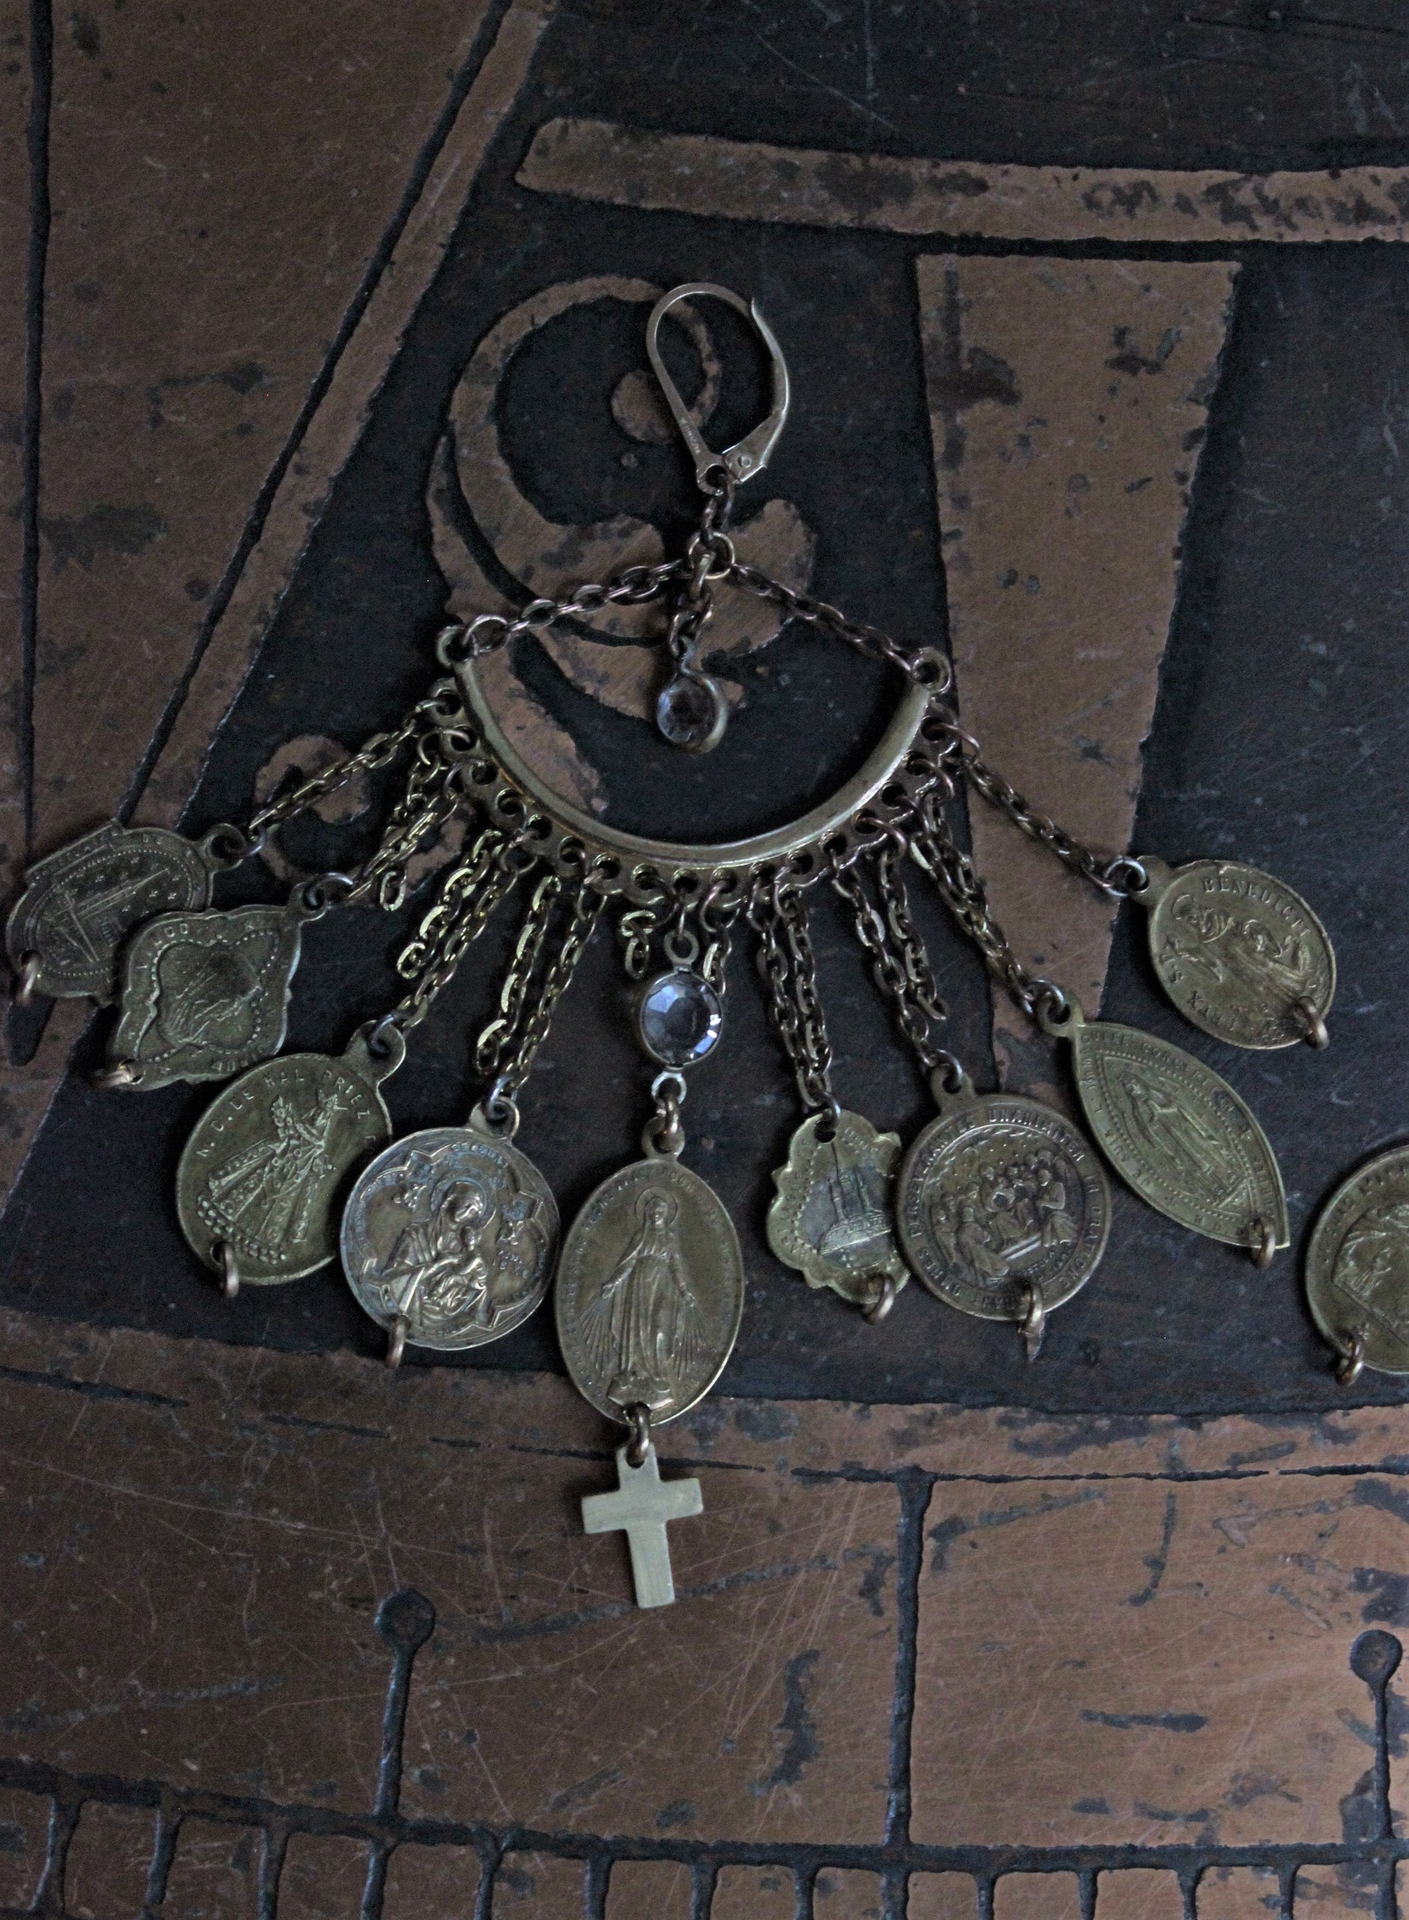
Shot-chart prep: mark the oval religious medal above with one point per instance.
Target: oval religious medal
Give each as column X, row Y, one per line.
column 831, row 1218
column 80, row 904
column 650, row 1291
column 999, row 1196
column 204, row 995
column 262, row 1172
column 1178, row 1134
column 1357, row 1264
column 449, row 1236
column 1238, row 953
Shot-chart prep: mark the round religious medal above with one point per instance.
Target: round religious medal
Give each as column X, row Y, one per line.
column 650, row 1291
column 1357, row 1264
column 261, row 1174
column 1238, row 953
column 1001, row 1196
column 450, row 1234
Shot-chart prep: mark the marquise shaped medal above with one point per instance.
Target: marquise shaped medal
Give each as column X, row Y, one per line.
column 1176, row 1132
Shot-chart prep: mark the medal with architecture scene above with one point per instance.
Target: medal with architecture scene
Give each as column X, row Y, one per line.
column 831, row 1218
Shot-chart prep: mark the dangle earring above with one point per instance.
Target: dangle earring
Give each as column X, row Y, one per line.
column 448, row 1238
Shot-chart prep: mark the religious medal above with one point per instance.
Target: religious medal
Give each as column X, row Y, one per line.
column 205, row 995
column 832, row 1216
column 1176, row 1132
column 1238, row 953
column 79, row 905
column 448, row 1237
column 1357, row 1268
column 1000, row 1206
column 259, row 1175
column 1003, row 1207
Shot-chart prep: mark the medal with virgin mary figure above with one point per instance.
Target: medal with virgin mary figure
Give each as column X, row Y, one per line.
column 1239, row 954
column 1002, row 1203
column 1176, row 1132
column 650, row 1291
column 448, row 1237
column 261, row 1172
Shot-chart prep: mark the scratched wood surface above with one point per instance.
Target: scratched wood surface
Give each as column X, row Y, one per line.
column 317, row 330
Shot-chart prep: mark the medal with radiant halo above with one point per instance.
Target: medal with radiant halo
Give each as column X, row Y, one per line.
column 1174, row 1131
column 1239, row 954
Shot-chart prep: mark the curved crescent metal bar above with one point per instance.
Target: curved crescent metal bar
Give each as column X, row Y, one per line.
column 885, row 787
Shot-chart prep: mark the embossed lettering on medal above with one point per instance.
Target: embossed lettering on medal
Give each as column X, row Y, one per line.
column 1240, row 954
column 79, row 905
column 999, row 1196
column 264, row 1167
column 831, row 1218
column 650, row 1291
column 1178, row 1134
column 204, row 994
column 1357, row 1264
column 451, row 1232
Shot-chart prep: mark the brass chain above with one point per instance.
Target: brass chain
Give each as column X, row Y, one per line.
column 966, row 896
column 488, row 632
column 899, row 964
column 465, row 899
column 778, row 915
column 507, row 1047
column 1119, row 877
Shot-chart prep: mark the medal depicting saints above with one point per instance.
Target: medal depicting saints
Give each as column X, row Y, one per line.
column 268, row 1194
column 1373, row 1268
column 643, row 1329
column 1247, row 951
column 440, row 1268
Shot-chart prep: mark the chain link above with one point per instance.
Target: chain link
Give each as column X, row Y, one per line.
column 966, row 896
column 466, row 898
column 819, row 614
column 1119, row 877
column 778, row 915
column 488, row 632
column 905, row 980
column 506, row 1049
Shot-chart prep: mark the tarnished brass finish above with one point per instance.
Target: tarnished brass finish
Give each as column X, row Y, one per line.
column 832, row 1218
column 1238, row 953
column 451, row 1232
column 204, row 995
column 565, row 837
column 1003, row 1208
column 262, row 1171
column 79, row 905
column 1176, row 1132
column 650, row 1291
column 1357, row 1267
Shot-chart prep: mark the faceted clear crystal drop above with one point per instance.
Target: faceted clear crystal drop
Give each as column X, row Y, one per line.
column 680, row 1018
column 691, row 712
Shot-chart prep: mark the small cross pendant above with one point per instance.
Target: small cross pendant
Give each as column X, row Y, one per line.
column 640, row 1507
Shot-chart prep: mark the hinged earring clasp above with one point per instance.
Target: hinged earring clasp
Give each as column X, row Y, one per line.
column 749, row 455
